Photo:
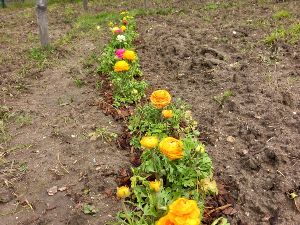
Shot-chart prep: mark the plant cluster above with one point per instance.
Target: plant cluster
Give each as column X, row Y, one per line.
column 175, row 174
column 120, row 62
column 170, row 185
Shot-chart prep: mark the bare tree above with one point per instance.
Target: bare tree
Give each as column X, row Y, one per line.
column 85, row 5
column 42, row 20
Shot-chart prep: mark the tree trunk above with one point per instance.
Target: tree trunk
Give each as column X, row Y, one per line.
column 145, row 4
column 85, row 5
column 3, row 5
column 42, row 20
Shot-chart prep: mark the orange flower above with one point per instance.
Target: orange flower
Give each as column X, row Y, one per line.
column 129, row 55
column 155, row 185
column 167, row 113
column 184, row 212
column 171, row 147
column 149, row 142
column 160, row 98
column 121, row 66
column 165, row 221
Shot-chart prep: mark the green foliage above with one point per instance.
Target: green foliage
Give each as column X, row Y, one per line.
column 178, row 178
column 89, row 209
column 221, row 99
column 102, row 133
column 290, row 35
column 79, row 82
column 41, row 55
column 221, row 221
column 147, row 120
column 281, row 14
column 157, row 11
column 211, row 6
column 126, row 88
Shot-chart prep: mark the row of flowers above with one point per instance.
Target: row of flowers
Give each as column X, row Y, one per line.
column 120, row 62
column 170, row 185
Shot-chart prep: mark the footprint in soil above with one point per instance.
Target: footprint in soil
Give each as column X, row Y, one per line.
column 183, row 54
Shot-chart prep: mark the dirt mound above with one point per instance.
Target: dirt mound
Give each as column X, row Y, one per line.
column 250, row 125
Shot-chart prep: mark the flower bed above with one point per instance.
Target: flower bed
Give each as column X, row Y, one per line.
column 175, row 174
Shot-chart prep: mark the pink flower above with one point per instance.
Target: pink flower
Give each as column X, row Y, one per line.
column 119, row 53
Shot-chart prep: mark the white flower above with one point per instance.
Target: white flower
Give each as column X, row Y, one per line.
column 121, row 38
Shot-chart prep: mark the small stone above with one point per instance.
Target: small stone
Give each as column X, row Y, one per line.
column 52, row 191
column 230, row 139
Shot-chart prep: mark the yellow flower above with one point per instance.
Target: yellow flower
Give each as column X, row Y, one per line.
column 123, row 28
column 160, row 98
column 123, row 192
column 167, row 114
column 149, row 142
column 155, row 185
column 171, row 147
column 121, row 66
column 129, row 55
column 208, row 186
column 165, row 221
column 124, row 12
column 110, row 24
column 184, row 212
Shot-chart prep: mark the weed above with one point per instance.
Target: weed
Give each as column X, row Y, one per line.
column 290, row 35
column 23, row 167
column 211, row 6
column 221, row 99
column 281, row 14
column 98, row 85
column 24, row 119
column 40, row 55
column 102, row 133
column 294, row 33
column 275, row 36
column 157, row 11
column 79, row 82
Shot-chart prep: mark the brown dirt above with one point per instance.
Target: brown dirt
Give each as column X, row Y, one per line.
column 196, row 55
column 51, row 147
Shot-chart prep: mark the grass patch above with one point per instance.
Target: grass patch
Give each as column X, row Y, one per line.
column 221, row 99
column 211, row 6
column 290, row 35
column 41, row 54
column 281, row 14
column 149, row 12
column 79, row 82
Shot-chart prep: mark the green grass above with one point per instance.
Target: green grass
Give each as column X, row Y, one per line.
column 40, row 55
column 211, row 6
column 290, row 35
column 156, row 11
column 23, row 119
column 281, row 14
column 79, row 82
column 221, row 99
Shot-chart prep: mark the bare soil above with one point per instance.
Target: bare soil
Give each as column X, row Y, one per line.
column 253, row 136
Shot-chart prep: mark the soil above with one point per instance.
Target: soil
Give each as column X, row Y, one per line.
column 197, row 51
column 253, row 137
